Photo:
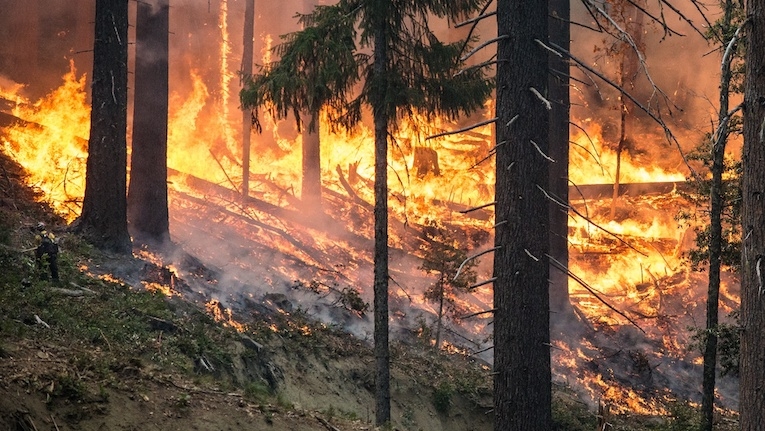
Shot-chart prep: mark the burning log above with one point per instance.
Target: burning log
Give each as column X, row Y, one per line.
column 604, row 191
column 361, row 202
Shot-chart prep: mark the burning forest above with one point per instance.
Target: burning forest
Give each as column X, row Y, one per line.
column 636, row 302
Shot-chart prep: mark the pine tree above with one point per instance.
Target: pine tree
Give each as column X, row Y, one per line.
column 409, row 71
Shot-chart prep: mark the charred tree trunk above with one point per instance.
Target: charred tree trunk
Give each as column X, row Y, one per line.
column 380, row 114
column 719, row 142
column 752, row 371
column 522, row 377
column 311, row 188
column 104, row 209
column 147, row 195
column 560, row 33
column 248, row 39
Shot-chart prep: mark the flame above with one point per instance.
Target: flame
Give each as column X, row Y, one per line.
column 223, row 315
column 52, row 145
column 592, row 159
column 639, row 272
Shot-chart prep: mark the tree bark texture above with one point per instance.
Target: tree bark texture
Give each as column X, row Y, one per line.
column 311, row 188
column 147, row 195
column 715, row 240
column 522, row 382
column 104, row 209
column 752, row 371
column 560, row 33
column 248, row 41
column 382, row 349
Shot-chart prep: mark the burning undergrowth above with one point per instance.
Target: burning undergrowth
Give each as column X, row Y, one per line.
column 628, row 345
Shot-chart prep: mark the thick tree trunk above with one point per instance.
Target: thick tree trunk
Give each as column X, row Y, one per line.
column 560, row 12
column 752, row 381
column 382, row 349
column 104, row 209
column 147, row 195
column 522, row 377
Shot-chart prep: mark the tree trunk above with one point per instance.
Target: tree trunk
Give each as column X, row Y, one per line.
column 719, row 142
column 522, row 377
column 752, row 371
column 147, row 195
column 104, row 208
column 247, row 59
column 311, row 188
column 380, row 114
column 560, row 12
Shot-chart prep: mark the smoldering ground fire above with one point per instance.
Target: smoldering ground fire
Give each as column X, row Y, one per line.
column 269, row 246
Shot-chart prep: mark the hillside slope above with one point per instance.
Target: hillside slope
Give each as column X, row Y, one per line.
column 106, row 349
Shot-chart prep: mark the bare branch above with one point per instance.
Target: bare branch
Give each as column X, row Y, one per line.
column 477, row 208
column 469, row 258
column 482, row 283
column 476, row 19
column 464, row 129
column 482, row 46
column 561, row 267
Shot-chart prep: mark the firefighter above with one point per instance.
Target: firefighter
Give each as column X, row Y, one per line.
column 46, row 251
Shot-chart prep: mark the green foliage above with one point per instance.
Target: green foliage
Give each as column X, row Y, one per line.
column 442, row 397
column 257, row 392
column 728, row 344
column 320, row 65
column 699, row 197
column 682, row 417
column 443, row 256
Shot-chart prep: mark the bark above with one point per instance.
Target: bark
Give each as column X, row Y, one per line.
column 715, row 243
column 522, row 382
column 247, row 59
column 752, row 371
column 382, row 349
column 104, row 209
column 560, row 33
column 147, row 195
column 311, row 188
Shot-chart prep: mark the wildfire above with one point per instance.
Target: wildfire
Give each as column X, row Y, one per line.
column 633, row 260
column 51, row 144
column 223, row 315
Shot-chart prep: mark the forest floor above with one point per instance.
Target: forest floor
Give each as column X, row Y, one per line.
column 95, row 352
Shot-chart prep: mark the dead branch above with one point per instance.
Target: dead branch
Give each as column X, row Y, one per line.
column 477, row 313
column 561, row 267
column 476, row 19
column 326, row 424
column 482, row 46
column 482, row 283
column 477, row 208
column 361, row 202
column 469, row 258
column 568, row 207
column 464, row 129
